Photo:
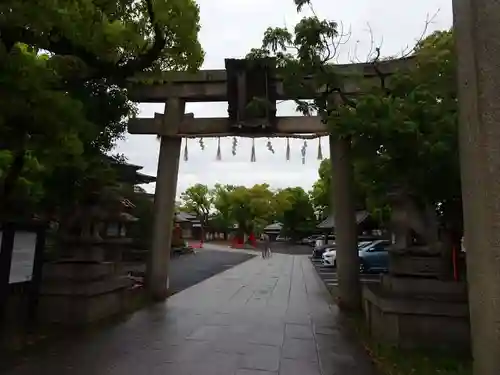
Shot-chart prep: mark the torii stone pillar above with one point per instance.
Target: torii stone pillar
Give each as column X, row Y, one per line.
column 342, row 198
column 477, row 33
column 157, row 274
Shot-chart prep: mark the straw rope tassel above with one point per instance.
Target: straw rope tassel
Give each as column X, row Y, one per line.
column 320, row 151
column 186, row 155
column 270, row 145
column 219, row 155
column 303, row 152
column 288, row 149
column 235, row 143
column 252, row 157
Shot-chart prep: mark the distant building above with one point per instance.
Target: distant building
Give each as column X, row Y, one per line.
column 273, row 230
column 190, row 225
column 363, row 218
column 118, row 218
column 129, row 173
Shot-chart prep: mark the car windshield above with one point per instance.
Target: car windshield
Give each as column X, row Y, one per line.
column 364, row 244
column 381, row 245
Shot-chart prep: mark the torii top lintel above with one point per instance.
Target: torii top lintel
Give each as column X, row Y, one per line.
column 211, row 85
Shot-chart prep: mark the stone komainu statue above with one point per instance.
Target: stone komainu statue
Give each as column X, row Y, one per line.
column 413, row 224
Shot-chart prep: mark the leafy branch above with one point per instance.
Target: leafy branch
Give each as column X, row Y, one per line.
column 310, row 53
column 56, row 42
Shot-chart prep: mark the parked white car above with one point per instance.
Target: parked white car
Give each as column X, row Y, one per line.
column 330, row 257
column 282, row 238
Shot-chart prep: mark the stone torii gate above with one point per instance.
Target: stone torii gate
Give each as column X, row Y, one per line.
column 476, row 24
column 238, row 84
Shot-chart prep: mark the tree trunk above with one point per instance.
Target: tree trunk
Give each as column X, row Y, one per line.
column 9, row 183
column 345, row 223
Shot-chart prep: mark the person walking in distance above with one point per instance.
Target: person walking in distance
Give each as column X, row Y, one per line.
column 266, row 250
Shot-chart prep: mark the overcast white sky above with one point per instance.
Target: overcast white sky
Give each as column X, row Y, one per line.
column 230, row 28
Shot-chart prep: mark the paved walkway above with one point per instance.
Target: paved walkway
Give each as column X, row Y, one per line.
column 219, row 247
column 263, row 317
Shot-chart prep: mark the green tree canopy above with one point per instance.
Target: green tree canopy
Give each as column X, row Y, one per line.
column 34, row 117
column 297, row 215
column 197, row 199
column 67, row 106
column 403, row 131
column 251, row 208
column 405, row 135
column 221, row 198
column 113, row 39
column 321, row 192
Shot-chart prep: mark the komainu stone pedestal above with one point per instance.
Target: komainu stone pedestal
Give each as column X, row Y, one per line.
column 414, row 308
column 79, row 292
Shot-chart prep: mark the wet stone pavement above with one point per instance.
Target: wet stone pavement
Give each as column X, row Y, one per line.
column 263, row 317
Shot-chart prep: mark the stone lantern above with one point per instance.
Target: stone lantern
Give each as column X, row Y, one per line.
column 88, row 284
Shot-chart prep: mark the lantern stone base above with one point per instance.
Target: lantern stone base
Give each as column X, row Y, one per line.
column 411, row 312
column 76, row 292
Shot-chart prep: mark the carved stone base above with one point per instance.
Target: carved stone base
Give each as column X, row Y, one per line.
column 415, row 287
column 419, row 262
column 81, row 292
column 418, row 313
